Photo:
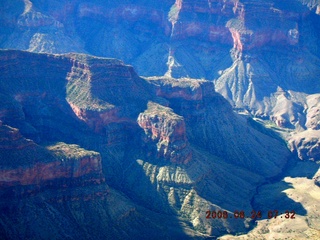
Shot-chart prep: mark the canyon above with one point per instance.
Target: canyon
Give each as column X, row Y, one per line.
column 259, row 54
column 105, row 138
column 132, row 119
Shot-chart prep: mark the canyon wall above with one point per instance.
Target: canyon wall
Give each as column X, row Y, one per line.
column 78, row 129
column 250, row 49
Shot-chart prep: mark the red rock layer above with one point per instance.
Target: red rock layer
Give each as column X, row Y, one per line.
column 11, row 139
column 96, row 120
column 25, row 163
column 101, row 92
column 40, row 173
column 168, row 131
column 238, row 22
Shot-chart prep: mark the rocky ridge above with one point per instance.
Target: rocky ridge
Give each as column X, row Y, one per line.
column 25, row 163
column 173, row 137
column 168, row 129
column 263, row 57
column 306, row 144
column 274, row 45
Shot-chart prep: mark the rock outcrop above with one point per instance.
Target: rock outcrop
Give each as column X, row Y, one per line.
column 313, row 112
column 273, row 45
column 101, row 92
column 168, row 130
column 174, row 28
column 172, row 146
column 306, row 144
column 24, row 163
column 211, row 124
column 317, row 181
column 169, row 147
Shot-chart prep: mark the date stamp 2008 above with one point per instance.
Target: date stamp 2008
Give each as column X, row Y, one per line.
column 287, row 214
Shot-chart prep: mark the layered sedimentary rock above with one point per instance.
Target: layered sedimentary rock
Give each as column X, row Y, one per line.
column 210, row 123
column 168, row 129
column 173, row 146
column 253, row 83
column 184, row 152
column 274, row 67
column 172, row 27
column 274, row 44
column 24, row 163
column 95, row 90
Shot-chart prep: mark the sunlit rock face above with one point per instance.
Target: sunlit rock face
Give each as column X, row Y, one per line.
column 78, row 132
column 196, row 34
column 60, row 165
column 306, row 144
column 250, row 49
column 161, row 125
column 162, row 146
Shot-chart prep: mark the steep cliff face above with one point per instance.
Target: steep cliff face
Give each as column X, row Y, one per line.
column 165, row 30
column 168, row 129
column 199, row 184
column 173, row 146
column 306, row 144
column 211, row 124
column 274, row 67
column 274, row 44
column 63, row 182
column 27, row 168
column 102, row 92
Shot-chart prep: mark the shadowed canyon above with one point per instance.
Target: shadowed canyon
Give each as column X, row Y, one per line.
column 141, row 120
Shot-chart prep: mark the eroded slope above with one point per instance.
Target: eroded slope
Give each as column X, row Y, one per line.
column 173, row 146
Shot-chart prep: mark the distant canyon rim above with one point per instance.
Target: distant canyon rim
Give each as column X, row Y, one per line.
column 131, row 119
